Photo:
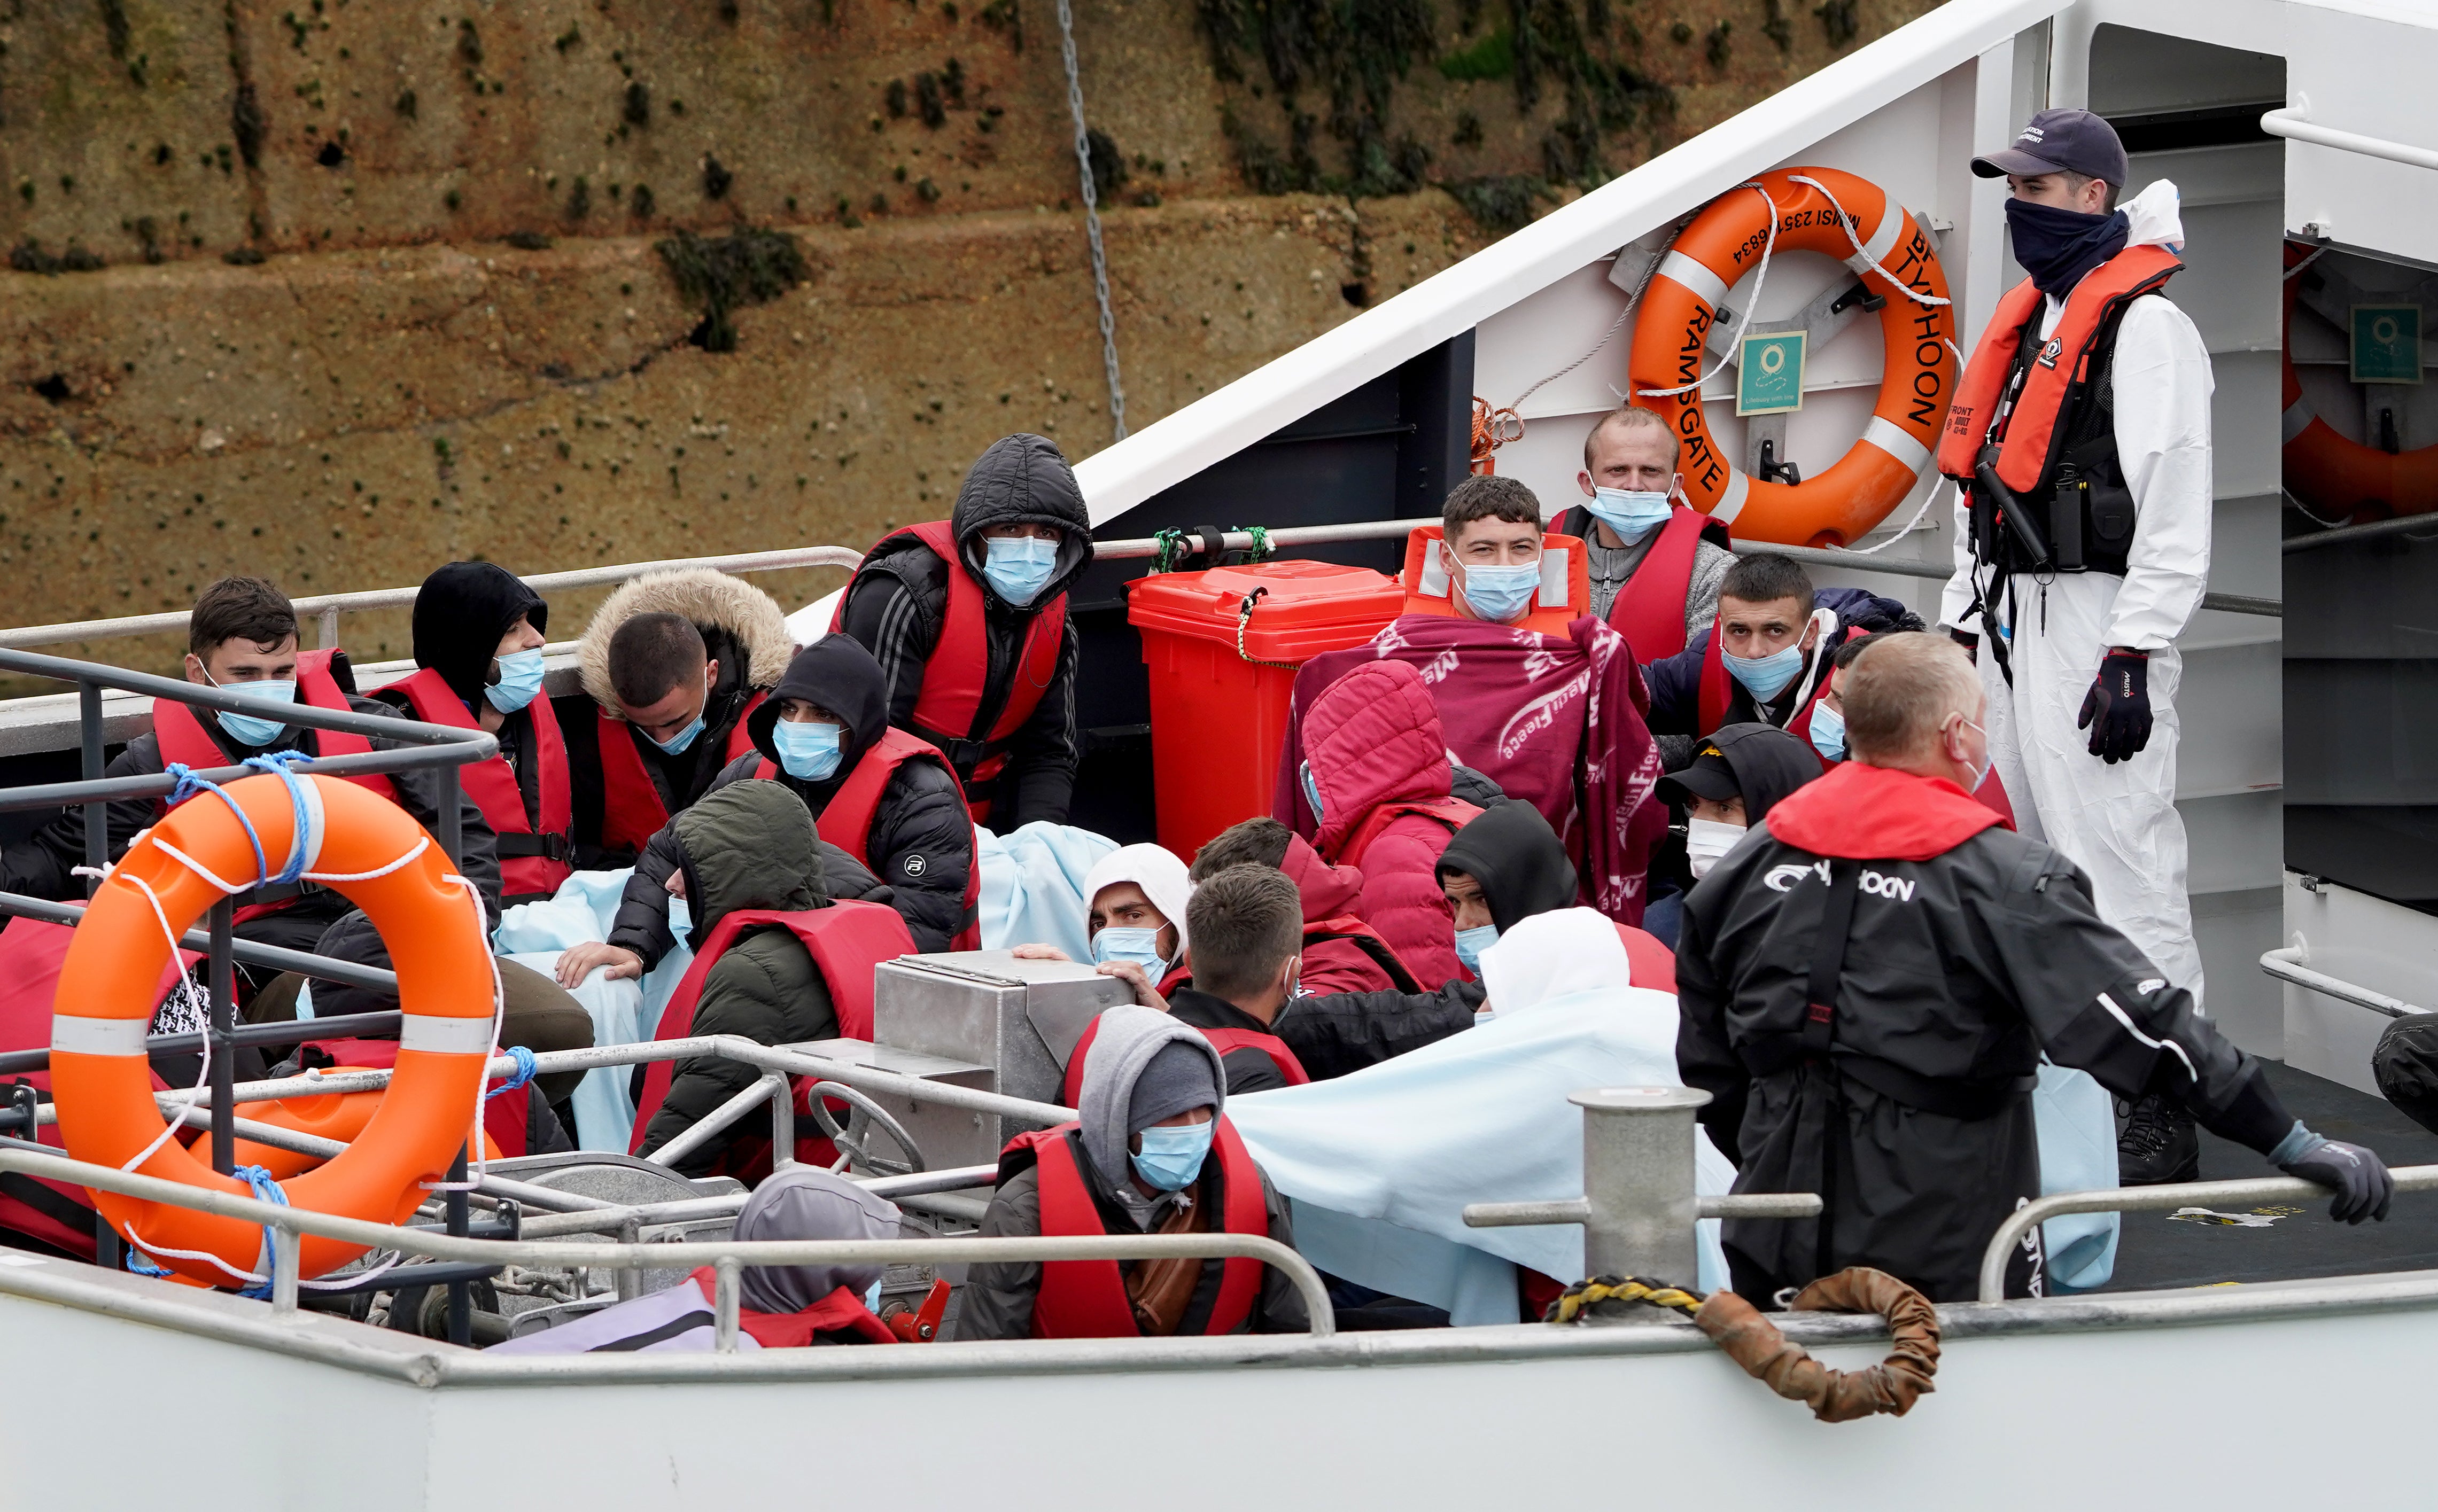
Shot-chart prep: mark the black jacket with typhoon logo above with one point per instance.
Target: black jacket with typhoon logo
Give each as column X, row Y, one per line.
column 1971, row 952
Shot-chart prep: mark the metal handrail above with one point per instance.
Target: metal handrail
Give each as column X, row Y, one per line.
column 2295, row 124
column 2286, row 965
column 2156, row 1199
column 728, row 1256
column 2340, row 535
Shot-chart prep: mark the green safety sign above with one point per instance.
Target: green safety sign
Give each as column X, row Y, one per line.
column 2387, row 343
column 1769, row 378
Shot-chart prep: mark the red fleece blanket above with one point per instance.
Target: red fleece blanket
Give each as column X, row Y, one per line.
column 1555, row 721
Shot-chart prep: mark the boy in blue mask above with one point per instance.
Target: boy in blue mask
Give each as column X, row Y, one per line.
column 1489, row 560
column 1151, row 1152
column 1655, row 563
column 967, row 618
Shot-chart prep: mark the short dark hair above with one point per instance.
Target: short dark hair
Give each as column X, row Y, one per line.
column 1254, row 842
column 1848, row 650
column 1244, row 923
column 2075, row 181
column 239, row 608
column 1488, row 496
column 652, row 653
column 1765, row 578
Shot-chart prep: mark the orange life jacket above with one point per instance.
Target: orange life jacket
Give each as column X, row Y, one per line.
column 1563, row 597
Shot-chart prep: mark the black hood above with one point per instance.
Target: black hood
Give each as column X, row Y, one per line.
column 461, row 612
column 1023, row 480
column 1768, row 763
column 840, row 674
column 1517, row 859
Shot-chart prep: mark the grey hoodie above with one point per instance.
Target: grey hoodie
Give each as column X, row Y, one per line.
column 1128, row 1037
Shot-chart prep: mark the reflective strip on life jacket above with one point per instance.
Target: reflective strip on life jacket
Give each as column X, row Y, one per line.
column 2035, row 426
column 1087, row 1299
column 847, row 939
column 492, row 783
column 1563, row 597
column 631, row 808
column 1072, row 1087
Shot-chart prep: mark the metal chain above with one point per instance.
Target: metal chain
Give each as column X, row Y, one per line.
column 1093, row 220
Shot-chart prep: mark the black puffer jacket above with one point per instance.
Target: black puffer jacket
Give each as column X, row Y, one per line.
column 921, row 841
column 899, row 598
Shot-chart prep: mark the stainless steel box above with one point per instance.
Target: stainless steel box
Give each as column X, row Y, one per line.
column 1021, row 1018
column 949, row 1138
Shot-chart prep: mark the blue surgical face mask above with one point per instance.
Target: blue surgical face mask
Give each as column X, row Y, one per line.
column 676, row 745
column 1019, row 567
column 1828, row 732
column 252, row 729
column 1469, row 944
column 1499, row 594
column 1172, row 1154
column 1311, row 791
column 808, row 749
column 519, row 679
column 1630, row 512
column 1765, row 677
column 1142, row 946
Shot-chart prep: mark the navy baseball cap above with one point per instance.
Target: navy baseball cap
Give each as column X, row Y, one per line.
column 2061, row 141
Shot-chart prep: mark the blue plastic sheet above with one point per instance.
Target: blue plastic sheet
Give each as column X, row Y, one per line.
column 1033, row 886
column 2078, row 1135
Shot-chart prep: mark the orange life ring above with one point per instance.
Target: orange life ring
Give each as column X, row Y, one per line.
column 1724, row 243
column 2340, row 477
column 101, row 1080
column 340, row 1115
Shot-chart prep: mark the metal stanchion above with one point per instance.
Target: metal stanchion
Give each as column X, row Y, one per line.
column 224, row 1051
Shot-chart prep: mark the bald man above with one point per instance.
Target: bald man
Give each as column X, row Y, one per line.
column 1950, row 953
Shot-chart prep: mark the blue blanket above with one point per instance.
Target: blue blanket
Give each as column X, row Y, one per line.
column 1033, row 886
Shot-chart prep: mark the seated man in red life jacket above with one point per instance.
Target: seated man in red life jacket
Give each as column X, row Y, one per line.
column 1153, row 1152
column 967, row 618
column 1654, row 562
column 776, row 960
column 672, row 663
column 1764, row 662
column 781, row 1305
column 241, row 636
column 876, row 794
column 478, row 640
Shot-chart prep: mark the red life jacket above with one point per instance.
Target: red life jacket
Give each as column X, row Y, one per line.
column 847, row 821
column 2034, row 433
column 1718, row 690
column 1087, row 1299
column 1384, row 955
column 1220, row 1040
column 847, row 940
column 1650, row 608
column 841, row 1312
column 507, row 1119
column 947, row 713
column 531, row 861
column 1453, row 812
column 631, row 810
column 183, row 739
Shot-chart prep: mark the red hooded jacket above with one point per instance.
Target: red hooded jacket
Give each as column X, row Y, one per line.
column 1380, row 762
column 1333, row 897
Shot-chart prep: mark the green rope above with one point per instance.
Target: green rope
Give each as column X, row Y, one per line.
column 1164, row 556
column 1260, row 541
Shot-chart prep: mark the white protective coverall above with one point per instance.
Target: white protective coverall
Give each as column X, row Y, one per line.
column 2118, row 823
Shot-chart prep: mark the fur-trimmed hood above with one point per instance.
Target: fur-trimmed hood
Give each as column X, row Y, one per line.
column 726, row 610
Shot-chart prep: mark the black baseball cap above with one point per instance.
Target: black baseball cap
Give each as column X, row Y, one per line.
column 1709, row 777
column 2061, row 141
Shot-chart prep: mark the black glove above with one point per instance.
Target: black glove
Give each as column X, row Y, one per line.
column 2363, row 1184
column 2116, row 711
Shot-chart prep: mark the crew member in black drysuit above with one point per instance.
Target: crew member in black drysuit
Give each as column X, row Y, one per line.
column 1967, row 950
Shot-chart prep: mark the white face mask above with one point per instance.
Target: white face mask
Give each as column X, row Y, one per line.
column 1981, row 773
column 1706, row 840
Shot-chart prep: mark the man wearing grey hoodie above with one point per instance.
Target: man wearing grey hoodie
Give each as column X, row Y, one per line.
column 1137, row 1161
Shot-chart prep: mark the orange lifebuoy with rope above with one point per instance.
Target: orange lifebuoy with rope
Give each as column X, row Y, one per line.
column 2327, row 471
column 1842, row 216
column 344, row 836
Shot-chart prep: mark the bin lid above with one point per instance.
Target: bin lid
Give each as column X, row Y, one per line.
column 1307, row 607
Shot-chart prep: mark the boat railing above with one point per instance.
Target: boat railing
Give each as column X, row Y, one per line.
column 2170, row 1197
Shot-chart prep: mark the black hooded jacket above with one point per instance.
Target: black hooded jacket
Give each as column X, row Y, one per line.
column 899, row 599
column 1519, row 861
column 460, row 614
column 921, row 841
column 1768, row 763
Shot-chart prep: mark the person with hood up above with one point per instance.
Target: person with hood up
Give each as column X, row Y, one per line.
column 2079, row 442
column 1376, row 775
column 1134, row 899
column 672, row 662
column 967, row 618
column 879, row 798
column 478, row 640
column 1766, row 659
column 776, row 960
column 781, row 1306
column 1152, row 1152
column 1508, row 865
column 1341, row 953
column 1741, row 773
column 1868, row 984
